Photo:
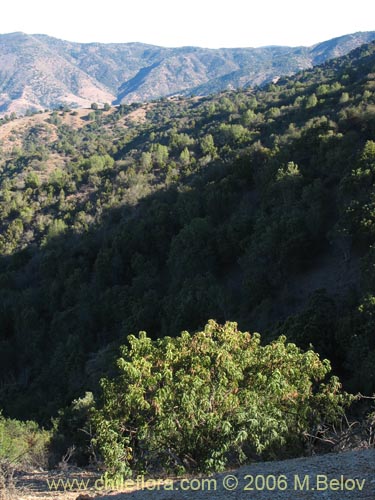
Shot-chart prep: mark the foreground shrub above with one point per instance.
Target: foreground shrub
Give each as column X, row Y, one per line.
column 199, row 401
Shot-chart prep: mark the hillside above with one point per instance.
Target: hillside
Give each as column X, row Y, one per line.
column 253, row 206
column 39, row 72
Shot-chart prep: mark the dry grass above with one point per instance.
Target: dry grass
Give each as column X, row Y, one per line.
column 8, row 483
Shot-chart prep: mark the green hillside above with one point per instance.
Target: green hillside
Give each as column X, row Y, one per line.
column 253, row 206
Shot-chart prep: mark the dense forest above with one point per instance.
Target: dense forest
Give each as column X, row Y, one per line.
column 254, row 206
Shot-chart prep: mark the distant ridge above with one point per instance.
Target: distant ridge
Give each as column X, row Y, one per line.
column 38, row 71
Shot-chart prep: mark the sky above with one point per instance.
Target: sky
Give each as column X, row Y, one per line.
column 204, row 23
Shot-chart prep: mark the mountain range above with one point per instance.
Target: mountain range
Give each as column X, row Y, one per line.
column 39, row 71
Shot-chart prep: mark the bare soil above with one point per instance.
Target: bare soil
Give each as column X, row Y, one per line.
column 345, row 476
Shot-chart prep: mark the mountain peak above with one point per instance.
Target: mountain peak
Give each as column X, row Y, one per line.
column 39, row 71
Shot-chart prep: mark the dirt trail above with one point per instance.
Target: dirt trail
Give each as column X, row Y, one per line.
column 345, row 476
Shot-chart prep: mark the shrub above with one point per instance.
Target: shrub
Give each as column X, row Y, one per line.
column 23, row 443
column 198, row 401
column 71, row 434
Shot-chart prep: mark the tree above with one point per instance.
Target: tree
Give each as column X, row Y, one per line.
column 32, row 180
column 146, row 161
column 311, row 101
column 185, row 157
column 56, row 228
column 160, row 154
column 94, row 106
column 9, row 240
column 344, row 98
column 232, row 134
column 367, row 159
column 208, row 145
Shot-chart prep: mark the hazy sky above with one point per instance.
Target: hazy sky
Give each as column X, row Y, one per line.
column 205, row 23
